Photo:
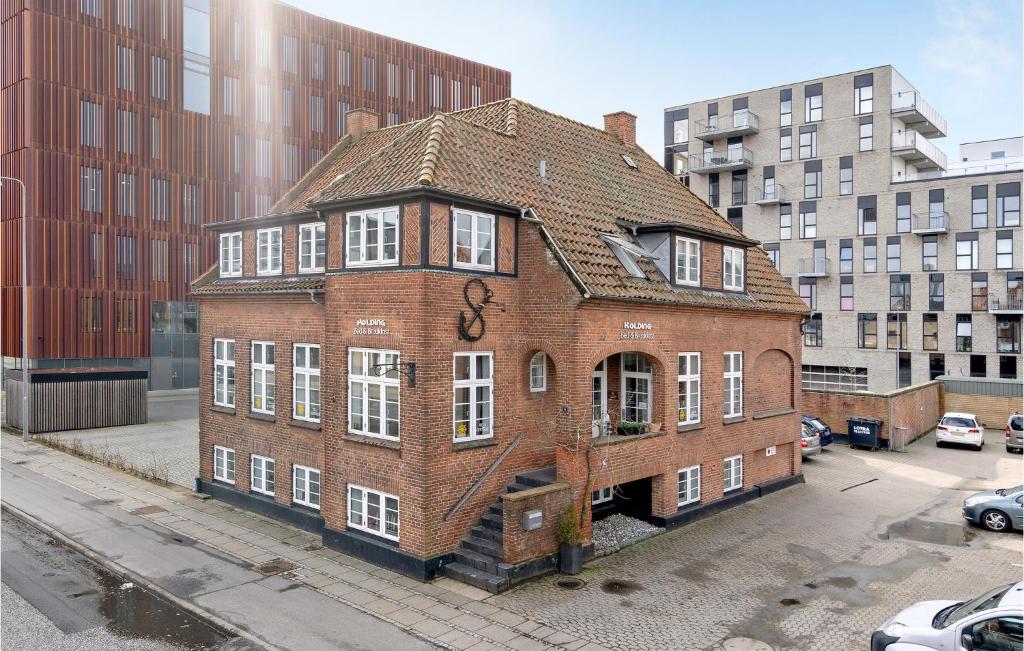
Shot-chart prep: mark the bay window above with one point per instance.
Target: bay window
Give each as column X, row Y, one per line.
column 473, row 235
column 268, row 251
column 312, row 247
column 687, row 261
column 372, row 238
column 231, row 254
column 732, row 272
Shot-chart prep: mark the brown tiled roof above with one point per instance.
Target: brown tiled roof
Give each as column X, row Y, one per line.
column 220, row 286
column 493, row 153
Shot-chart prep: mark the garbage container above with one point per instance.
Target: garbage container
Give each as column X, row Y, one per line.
column 864, row 432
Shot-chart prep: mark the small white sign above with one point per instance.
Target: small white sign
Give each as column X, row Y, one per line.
column 636, row 330
column 371, row 327
column 769, row 452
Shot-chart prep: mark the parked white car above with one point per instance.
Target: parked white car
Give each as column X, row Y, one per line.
column 993, row 621
column 962, row 429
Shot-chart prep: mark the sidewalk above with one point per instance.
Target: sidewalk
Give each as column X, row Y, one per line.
column 203, row 552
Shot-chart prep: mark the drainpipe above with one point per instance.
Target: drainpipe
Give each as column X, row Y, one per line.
column 528, row 215
column 312, row 298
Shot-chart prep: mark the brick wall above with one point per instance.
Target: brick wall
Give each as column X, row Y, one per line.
column 993, row 411
column 917, row 408
column 520, row 545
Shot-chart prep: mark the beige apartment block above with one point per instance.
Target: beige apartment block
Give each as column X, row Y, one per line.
column 911, row 261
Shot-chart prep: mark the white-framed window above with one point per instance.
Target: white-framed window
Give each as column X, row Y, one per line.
column 263, row 377
column 224, row 372
column 689, row 485
column 732, row 473
column 689, row 388
column 863, row 100
column 261, row 470
column 966, row 255
column 732, row 268
column 733, row 388
column 687, row 261
column 1004, row 252
column 812, row 108
column 538, row 372
column 373, row 511
column 306, row 382
column 473, row 235
column 786, row 222
column 373, row 392
column 268, row 251
column 637, row 378
column 306, row 486
column 372, row 238
column 224, row 464
column 474, row 396
column 231, row 254
column 312, row 247
column 867, row 132
column 602, row 495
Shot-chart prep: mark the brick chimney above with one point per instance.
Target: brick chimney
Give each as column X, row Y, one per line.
column 361, row 120
column 622, row 125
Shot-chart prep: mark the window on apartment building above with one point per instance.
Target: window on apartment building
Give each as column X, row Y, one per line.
column 159, row 198
column 813, row 103
column 372, row 238
column 936, row 208
column 808, row 141
column 125, row 315
column 813, row 331
column 966, row 252
column 394, row 80
column 373, row 389
column 689, row 388
column 224, row 372
column 1008, row 367
column 91, row 316
column 316, row 61
column 90, row 124
column 786, row 221
column 127, row 194
column 834, row 378
column 158, row 77
column 846, row 293
column 456, row 95
column 316, row 114
column 475, row 95
column 262, row 474
column 870, row 255
column 846, row 256
column 732, row 473
column 808, row 289
column 732, row 392
column 224, row 464
column 125, row 257
column 96, row 255
column 688, row 485
column 315, row 154
column 306, row 486
column 808, row 219
column 785, row 144
column 768, row 187
column 867, row 330
column 739, row 188
column 929, row 253
column 964, row 334
column 369, row 74
column 287, row 107
column 785, row 107
column 92, row 8
column 1004, row 250
column 687, row 261
column 845, row 175
column 936, row 291
column 1008, row 204
column 538, row 372
column 899, row 292
column 236, row 204
column 125, row 68
column 713, row 190
column 930, row 331
column 158, row 259
column 867, row 131
column 936, row 365
column 863, row 95
column 735, row 217
column 290, row 162
column 263, row 103
column 289, row 53
column 196, row 64
column 345, row 68
column 772, row 251
column 232, row 100
column 373, row 511
column 977, row 366
column 262, row 204
column 268, row 251
column 732, row 268
column 893, row 253
column 190, row 265
column 262, row 44
column 979, row 292
column 306, row 382
column 312, row 247
column 681, row 131
column 263, row 377
column 263, row 159
column 231, row 254
column 155, row 138
column 812, row 182
column 92, row 189
column 474, row 396
column 1008, row 334
column 343, row 108
column 474, row 240
column 193, row 204
column 896, row 334
column 237, row 153
column 236, row 40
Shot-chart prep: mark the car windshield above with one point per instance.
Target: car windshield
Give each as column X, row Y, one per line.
column 986, row 601
column 1017, row 423
column 1009, row 491
column 817, row 424
column 806, row 432
column 958, row 421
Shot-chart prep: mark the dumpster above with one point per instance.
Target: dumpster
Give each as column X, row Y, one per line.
column 864, row 432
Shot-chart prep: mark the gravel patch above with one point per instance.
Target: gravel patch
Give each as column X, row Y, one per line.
column 617, row 531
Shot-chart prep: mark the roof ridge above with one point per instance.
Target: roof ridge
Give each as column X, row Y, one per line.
column 512, row 117
column 432, row 149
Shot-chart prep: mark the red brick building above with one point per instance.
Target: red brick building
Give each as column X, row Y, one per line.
column 135, row 122
column 445, row 323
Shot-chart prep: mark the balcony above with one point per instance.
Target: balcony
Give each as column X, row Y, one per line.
column 771, row 197
column 740, row 123
column 814, row 267
column 1012, row 303
column 918, row 114
column 930, row 223
column 735, row 158
column 918, row 151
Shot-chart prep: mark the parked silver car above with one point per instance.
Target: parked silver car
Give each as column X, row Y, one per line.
column 997, row 510
column 810, row 443
column 1014, row 433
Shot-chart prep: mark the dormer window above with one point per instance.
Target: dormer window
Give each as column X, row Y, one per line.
column 474, row 240
column 627, row 254
column 231, row 254
column 268, row 251
column 687, row 261
column 732, row 268
column 372, row 238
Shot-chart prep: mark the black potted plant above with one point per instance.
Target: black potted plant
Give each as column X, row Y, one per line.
column 570, row 541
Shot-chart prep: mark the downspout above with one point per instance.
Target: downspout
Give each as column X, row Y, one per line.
column 312, row 298
column 528, row 215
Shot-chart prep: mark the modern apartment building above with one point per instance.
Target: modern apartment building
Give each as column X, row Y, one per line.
column 911, row 265
column 135, row 122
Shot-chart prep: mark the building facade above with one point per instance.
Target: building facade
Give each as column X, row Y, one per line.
column 134, row 123
column 911, row 265
column 449, row 331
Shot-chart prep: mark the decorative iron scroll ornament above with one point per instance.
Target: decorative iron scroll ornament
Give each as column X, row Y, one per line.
column 486, row 298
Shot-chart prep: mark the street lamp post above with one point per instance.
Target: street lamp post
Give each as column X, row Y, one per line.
column 26, row 400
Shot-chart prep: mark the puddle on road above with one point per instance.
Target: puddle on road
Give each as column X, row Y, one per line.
column 938, row 533
column 621, row 586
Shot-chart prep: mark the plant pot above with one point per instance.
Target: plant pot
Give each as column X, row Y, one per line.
column 570, row 559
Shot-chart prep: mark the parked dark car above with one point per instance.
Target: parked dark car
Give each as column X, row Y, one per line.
column 823, row 431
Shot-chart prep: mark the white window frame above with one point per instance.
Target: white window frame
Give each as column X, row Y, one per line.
column 691, row 380
column 224, row 383
column 539, row 372
column 363, row 522
column 224, row 470
column 685, row 485
column 474, row 241
column 306, row 472
column 231, row 254
column 863, row 100
column 604, row 495
column 361, row 248
column 969, row 258
column 734, row 279
column 364, row 380
column 639, row 375
column 308, row 372
column 473, row 383
column 1004, row 253
column 729, row 477
column 266, row 263
column 733, row 382
column 810, row 109
column 260, row 370
column 688, row 252
column 266, row 466
column 309, row 235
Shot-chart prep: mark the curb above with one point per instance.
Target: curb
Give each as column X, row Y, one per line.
column 217, row 622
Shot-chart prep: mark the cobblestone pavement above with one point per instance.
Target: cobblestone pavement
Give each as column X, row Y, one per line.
column 811, row 567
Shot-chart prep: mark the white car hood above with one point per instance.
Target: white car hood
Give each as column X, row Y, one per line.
column 918, row 618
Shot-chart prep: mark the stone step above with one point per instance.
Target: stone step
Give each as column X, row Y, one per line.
column 538, row 477
column 475, row 559
column 484, row 546
column 491, row 521
column 486, row 533
column 497, row 508
column 475, row 577
column 516, row 487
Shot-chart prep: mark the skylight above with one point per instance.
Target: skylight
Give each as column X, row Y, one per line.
column 627, row 253
column 629, row 161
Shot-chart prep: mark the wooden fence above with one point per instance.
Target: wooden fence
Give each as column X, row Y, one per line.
column 78, row 398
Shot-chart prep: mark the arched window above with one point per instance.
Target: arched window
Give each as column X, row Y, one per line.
column 538, row 372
